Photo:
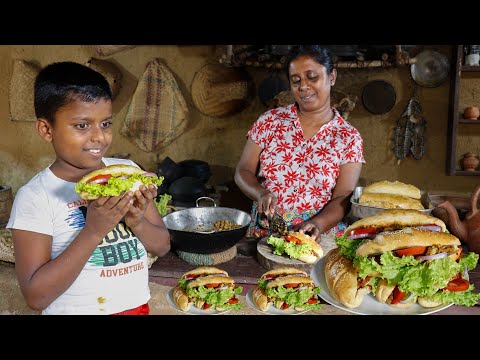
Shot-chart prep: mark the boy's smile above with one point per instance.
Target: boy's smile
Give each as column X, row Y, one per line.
column 80, row 135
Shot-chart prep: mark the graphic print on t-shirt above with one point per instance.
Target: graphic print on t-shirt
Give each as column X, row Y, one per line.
column 120, row 246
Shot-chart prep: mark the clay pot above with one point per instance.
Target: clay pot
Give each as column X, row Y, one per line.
column 470, row 161
column 471, row 113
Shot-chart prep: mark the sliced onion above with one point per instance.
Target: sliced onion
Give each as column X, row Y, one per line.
column 432, row 257
column 429, row 227
column 361, row 236
column 465, row 274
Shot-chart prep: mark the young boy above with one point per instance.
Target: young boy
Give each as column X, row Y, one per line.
column 74, row 256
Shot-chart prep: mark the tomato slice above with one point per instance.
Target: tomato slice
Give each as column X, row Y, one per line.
column 414, row 250
column 458, row 284
column 312, row 300
column 100, row 179
column 367, row 230
column 284, row 306
column 292, row 239
column 290, row 285
column 212, row 285
column 232, row 300
column 206, row 306
column 364, row 282
column 397, row 295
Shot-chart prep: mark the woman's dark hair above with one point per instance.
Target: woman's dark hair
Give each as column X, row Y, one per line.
column 59, row 83
column 320, row 54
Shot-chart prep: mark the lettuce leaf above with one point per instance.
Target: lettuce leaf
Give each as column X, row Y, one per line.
column 347, row 246
column 216, row 297
column 295, row 297
column 281, row 246
column 115, row 186
column 162, row 203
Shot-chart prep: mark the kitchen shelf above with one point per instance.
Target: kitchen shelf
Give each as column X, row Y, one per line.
column 455, row 117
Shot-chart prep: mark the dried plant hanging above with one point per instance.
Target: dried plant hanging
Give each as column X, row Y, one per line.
column 410, row 132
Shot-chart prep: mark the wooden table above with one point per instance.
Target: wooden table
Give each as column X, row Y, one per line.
column 245, row 270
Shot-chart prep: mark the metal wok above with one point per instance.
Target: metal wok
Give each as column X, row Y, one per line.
column 192, row 229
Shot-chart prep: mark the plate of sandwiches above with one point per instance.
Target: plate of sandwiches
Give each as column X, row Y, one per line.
column 206, row 290
column 396, row 262
column 284, row 291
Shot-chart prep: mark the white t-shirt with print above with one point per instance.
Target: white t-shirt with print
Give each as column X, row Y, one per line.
column 115, row 277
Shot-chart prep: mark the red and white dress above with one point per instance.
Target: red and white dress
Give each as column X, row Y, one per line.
column 301, row 173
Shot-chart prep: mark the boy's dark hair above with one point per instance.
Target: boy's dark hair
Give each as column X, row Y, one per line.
column 59, row 83
column 320, row 54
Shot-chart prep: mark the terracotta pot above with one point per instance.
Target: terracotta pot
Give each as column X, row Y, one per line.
column 471, row 113
column 470, row 161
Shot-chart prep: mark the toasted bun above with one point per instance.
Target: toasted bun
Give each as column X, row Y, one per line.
column 284, row 270
column 181, row 299
column 289, row 279
column 210, row 279
column 383, row 292
column 306, row 239
column 260, row 298
column 115, row 171
column 405, row 238
column 396, row 219
column 394, row 188
column 428, row 303
column 341, row 278
column 205, row 270
column 389, row 201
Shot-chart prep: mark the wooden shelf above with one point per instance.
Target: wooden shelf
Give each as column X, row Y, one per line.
column 470, row 68
column 466, row 121
column 454, row 112
column 466, row 173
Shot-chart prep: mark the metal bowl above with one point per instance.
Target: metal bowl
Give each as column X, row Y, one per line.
column 361, row 211
column 192, row 229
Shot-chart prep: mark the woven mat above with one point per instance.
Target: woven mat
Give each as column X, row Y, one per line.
column 208, row 259
column 6, row 246
column 157, row 114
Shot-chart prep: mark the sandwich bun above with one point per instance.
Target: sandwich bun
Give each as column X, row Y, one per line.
column 427, row 302
column 205, row 270
column 317, row 251
column 260, row 298
column 341, row 278
column 389, row 201
column 209, row 279
column 401, row 239
column 384, row 291
column 394, row 188
column 116, row 171
column 284, row 270
column 290, row 279
column 181, row 299
column 395, row 219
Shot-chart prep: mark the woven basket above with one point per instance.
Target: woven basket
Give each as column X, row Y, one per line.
column 158, row 113
column 21, row 91
column 220, row 91
column 109, row 71
column 6, row 246
column 107, row 50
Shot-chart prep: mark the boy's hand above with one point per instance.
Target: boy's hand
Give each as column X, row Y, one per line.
column 106, row 212
column 142, row 198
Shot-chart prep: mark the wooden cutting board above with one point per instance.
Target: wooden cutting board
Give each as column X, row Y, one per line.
column 269, row 260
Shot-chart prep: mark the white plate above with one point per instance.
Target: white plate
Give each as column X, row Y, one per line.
column 193, row 310
column 369, row 305
column 272, row 310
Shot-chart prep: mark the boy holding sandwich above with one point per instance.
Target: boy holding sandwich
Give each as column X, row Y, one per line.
column 76, row 256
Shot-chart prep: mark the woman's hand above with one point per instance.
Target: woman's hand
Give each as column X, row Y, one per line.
column 309, row 228
column 266, row 203
column 142, row 198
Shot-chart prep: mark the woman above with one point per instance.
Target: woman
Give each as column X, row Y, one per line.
column 309, row 157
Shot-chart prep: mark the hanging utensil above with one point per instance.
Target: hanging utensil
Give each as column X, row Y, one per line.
column 430, row 69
